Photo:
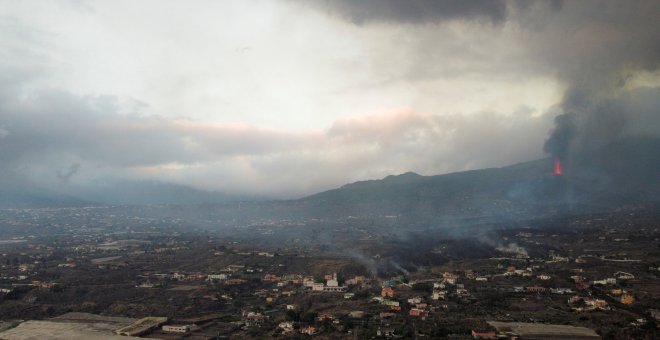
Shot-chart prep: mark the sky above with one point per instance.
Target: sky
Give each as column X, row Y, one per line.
column 285, row 98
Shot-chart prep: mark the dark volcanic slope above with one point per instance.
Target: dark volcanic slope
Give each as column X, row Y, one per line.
column 470, row 193
column 625, row 173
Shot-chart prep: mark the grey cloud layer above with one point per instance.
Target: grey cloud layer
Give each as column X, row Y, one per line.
column 92, row 129
column 64, row 135
column 413, row 11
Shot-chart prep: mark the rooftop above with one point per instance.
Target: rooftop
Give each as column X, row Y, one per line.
column 544, row 331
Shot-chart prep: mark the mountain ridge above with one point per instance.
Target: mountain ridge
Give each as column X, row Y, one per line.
column 621, row 173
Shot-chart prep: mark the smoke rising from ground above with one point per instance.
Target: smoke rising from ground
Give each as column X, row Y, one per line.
column 512, row 248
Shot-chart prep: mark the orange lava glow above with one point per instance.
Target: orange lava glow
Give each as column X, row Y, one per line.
column 557, row 170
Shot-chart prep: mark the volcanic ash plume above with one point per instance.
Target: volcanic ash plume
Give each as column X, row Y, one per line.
column 599, row 49
column 560, row 139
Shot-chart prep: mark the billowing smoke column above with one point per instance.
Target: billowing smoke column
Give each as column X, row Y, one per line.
column 560, row 139
column 602, row 52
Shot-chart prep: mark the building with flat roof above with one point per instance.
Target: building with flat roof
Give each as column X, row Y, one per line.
column 69, row 326
column 141, row 326
column 539, row 331
column 176, row 329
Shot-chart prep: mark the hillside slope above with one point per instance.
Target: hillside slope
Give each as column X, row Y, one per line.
column 625, row 173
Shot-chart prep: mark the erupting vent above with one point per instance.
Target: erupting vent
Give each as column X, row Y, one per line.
column 557, row 170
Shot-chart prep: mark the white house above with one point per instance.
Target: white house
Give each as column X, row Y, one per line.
column 333, row 282
column 176, row 329
column 216, row 277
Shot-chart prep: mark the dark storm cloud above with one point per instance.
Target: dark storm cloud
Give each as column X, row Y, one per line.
column 414, row 11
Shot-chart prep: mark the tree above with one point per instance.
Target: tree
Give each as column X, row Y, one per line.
column 292, row 315
column 308, row 316
column 422, row 287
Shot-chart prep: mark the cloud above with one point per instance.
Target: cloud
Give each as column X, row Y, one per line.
column 94, row 130
column 64, row 175
column 413, row 11
column 3, row 132
column 377, row 145
column 59, row 130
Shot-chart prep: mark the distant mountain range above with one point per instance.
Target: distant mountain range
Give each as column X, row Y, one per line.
column 115, row 192
column 624, row 173
column 30, row 198
column 125, row 192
